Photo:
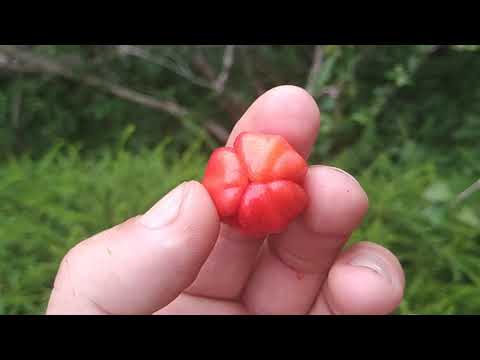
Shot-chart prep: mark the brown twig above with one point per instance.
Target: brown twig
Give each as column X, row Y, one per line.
column 16, row 114
column 209, row 81
column 16, row 108
column 143, row 54
column 217, row 130
column 468, row 192
column 25, row 61
column 222, row 78
column 246, row 62
column 229, row 101
column 56, row 68
column 202, row 66
column 314, row 69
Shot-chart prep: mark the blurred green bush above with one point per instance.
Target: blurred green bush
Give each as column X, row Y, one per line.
column 49, row 205
column 405, row 120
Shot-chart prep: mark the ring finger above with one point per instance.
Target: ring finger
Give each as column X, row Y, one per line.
column 294, row 265
column 285, row 110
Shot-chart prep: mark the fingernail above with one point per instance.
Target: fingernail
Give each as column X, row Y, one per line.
column 344, row 172
column 166, row 210
column 373, row 263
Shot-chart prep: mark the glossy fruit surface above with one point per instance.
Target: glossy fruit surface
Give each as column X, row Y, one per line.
column 256, row 185
column 269, row 157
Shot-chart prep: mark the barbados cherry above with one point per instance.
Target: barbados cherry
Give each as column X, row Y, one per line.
column 270, row 207
column 256, row 185
column 269, row 157
column 226, row 181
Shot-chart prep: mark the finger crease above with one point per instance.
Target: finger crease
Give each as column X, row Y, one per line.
column 297, row 262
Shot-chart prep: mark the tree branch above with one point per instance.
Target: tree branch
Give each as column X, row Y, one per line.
column 314, row 69
column 222, row 78
column 229, row 101
column 217, row 130
column 143, row 54
column 16, row 108
column 468, row 192
column 26, row 62
column 50, row 66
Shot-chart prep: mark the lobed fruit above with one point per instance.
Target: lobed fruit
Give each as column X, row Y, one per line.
column 256, row 185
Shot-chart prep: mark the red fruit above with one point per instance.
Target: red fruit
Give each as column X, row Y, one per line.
column 226, row 180
column 269, row 208
column 269, row 158
column 256, row 184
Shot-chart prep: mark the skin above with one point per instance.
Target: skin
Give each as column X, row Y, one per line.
column 175, row 259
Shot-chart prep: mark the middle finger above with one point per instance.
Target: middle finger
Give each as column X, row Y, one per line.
column 294, row 265
column 285, row 110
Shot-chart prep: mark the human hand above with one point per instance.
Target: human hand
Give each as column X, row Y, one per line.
column 178, row 259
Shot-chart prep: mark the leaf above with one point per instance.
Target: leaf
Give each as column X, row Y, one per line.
column 125, row 136
column 469, row 216
column 438, row 192
column 435, row 215
column 325, row 73
column 465, row 47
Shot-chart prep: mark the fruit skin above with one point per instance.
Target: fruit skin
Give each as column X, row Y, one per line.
column 269, row 158
column 269, row 207
column 256, row 185
column 226, row 180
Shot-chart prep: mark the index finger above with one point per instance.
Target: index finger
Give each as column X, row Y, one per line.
column 286, row 110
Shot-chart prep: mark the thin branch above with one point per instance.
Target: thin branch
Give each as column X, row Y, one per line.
column 147, row 56
column 222, row 78
column 332, row 91
column 16, row 68
column 26, row 62
column 56, row 68
column 246, row 61
column 314, row 69
column 16, row 108
column 204, row 67
column 231, row 102
column 468, row 192
column 217, row 130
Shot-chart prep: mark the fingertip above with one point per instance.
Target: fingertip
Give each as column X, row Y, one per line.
column 202, row 196
column 285, row 110
column 199, row 214
column 389, row 257
column 142, row 264
column 300, row 102
column 338, row 202
column 366, row 279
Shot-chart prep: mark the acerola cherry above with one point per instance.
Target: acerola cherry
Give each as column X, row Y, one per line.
column 226, row 181
column 269, row 158
column 269, row 208
column 256, row 185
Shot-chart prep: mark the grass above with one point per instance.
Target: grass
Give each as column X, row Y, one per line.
column 47, row 206
column 405, row 123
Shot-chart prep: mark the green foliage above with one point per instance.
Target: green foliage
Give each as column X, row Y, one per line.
column 405, row 120
column 413, row 213
column 48, row 205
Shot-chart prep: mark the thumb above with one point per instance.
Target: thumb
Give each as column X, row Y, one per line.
column 139, row 266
